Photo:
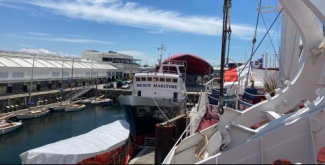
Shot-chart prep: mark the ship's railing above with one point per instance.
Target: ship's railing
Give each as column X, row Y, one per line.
column 175, row 62
column 149, row 142
column 187, row 132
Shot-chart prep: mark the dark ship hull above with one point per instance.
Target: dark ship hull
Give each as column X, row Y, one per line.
column 143, row 114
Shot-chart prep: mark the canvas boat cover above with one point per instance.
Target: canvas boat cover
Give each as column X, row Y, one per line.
column 71, row 151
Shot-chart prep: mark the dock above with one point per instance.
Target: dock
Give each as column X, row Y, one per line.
column 145, row 156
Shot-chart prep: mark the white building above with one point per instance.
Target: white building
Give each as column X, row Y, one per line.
column 126, row 63
column 18, row 69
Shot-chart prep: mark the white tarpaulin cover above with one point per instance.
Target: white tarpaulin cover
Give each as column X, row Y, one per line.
column 71, row 151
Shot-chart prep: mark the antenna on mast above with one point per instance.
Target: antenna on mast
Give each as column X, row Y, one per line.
column 162, row 48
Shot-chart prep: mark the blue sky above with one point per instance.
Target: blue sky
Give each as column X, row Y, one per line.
column 132, row 27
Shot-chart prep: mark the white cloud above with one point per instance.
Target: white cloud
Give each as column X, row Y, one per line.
column 44, row 51
column 43, row 37
column 38, row 34
column 7, row 5
column 135, row 15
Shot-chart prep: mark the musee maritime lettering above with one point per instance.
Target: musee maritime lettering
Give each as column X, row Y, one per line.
column 158, row 86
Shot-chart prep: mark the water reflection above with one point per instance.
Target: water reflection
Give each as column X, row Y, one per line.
column 54, row 127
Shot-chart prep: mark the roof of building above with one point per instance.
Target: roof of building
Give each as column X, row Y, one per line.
column 195, row 64
column 25, row 60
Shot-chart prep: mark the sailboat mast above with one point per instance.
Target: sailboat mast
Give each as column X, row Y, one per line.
column 227, row 5
column 31, row 80
column 72, row 73
column 61, row 89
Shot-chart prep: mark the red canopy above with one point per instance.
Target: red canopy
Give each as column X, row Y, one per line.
column 195, row 64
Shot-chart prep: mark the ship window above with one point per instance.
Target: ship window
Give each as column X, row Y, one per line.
column 174, row 80
column 143, row 78
column 137, row 79
column 168, row 80
column 162, row 79
column 155, row 79
column 149, row 78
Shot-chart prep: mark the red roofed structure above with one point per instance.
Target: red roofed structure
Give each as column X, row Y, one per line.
column 195, row 64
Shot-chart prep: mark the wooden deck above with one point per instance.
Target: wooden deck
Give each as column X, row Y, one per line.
column 145, row 156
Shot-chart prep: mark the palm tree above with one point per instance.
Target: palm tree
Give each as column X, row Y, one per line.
column 270, row 86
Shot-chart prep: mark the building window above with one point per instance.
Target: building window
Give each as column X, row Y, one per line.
column 174, row 80
column 55, row 74
column 18, row 75
column 143, row 78
column 137, row 79
column 149, row 78
column 168, row 80
column 3, row 74
column 162, row 79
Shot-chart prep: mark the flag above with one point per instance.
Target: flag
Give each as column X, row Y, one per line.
column 67, row 81
column 95, row 87
column 258, row 64
column 31, row 103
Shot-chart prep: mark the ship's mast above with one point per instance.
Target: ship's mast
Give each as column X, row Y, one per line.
column 225, row 32
column 162, row 48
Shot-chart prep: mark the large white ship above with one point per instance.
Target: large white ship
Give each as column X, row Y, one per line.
column 156, row 97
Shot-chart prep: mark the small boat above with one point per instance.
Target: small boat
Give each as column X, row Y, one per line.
column 74, row 107
column 107, row 144
column 60, row 107
column 87, row 101
column 106, row 102
column 6, row 127
column 34, row 113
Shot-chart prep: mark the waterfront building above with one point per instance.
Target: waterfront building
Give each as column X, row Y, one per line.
column 126, row 63
column 49, row 72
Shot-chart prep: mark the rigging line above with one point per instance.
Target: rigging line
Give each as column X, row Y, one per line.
column 271, row 42
column 250, row 58
column 293, row 53
column 254, row 39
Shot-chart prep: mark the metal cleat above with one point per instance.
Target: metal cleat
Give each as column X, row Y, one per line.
column 288, row 83
column 315, row 52
column 278, row 91
column 321, row 46
column 320, row 92
column 310, row 104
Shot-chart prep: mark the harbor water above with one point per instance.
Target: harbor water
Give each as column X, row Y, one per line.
column 54, row 127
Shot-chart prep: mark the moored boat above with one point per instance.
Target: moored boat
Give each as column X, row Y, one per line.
column 106, row 102
column 87, row 101
column 6, row 127
column 108, row 144
column 60, row 107
column 34, row 113
column 156, row 98
column 74, row 107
